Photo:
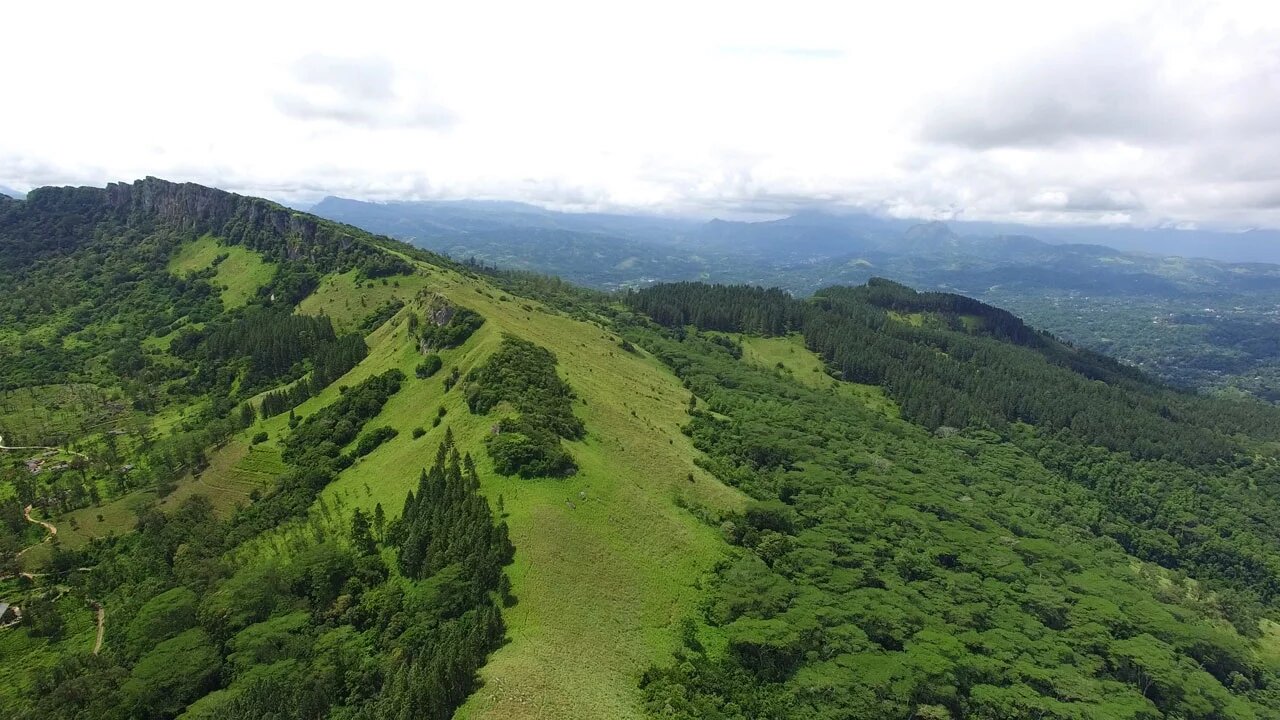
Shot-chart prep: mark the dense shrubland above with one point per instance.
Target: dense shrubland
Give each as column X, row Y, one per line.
column 360, row 619
column 527, row 443
column 983, row 572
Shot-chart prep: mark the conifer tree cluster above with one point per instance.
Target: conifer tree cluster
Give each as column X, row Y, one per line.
column 330, row 362
column 265, row 345
column 446, row 521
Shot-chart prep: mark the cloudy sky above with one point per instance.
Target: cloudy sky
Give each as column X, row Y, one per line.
column 1113, row 112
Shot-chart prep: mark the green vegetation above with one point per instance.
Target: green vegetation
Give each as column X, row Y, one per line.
column 429, row 366
column 871, row 503
column 528, row 444
column 381, row 314
column 55, row 414
column 327, row 628
column 239, row 272
column 265, row 346
column 348, row 300
column 1030, row 377
column 327, row 431
column 372, row 439
column 964, row 573
column 447, row 326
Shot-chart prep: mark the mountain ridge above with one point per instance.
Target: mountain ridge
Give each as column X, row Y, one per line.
column 363, row 480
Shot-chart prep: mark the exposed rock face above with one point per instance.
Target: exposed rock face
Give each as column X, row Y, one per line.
column 277, row 232
column 438, row 311
column 254, row 222
column 441, row 315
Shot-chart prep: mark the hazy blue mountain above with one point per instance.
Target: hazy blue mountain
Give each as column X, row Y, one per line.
column 432, row 218
column 1250, row 246
column 1200, row 319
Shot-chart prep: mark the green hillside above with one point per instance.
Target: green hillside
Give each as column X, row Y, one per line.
column 309, row 472
column 607, row 560
column 239, row 272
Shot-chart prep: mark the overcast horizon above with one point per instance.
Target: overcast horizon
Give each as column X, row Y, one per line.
column 1152, row 114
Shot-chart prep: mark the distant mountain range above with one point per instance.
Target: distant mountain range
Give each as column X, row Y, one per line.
column 1197, row 308
column 816, row 230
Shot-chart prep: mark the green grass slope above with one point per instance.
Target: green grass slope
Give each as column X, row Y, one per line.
column 607, row 560
column 789, row 355
column 239, row 274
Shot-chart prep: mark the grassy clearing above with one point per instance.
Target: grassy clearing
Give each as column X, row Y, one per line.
column 348, row 300
column 239, row 275
column 913, row 319
column 806, row 367
column 117, row 517
column 1268, row 646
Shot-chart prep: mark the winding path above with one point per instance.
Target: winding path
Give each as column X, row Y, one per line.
column 26, row 512
column 40, row 447
column 53, row 530
column 48, row 526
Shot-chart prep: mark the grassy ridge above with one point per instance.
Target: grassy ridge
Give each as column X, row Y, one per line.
column 347, row 299
column 606, row 560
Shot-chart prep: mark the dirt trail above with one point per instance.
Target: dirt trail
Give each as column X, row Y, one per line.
column 40, row 447
column 48, row 526
column 53, row 530
column 102, row 625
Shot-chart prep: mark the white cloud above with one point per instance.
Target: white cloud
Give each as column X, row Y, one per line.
column 1093, row 111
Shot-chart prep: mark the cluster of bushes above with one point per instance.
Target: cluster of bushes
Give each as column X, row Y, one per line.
column 381, row 314
column 371, row 440
column 332, row 427
column 523, row 374
column 382, row 265
column 429, row 366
